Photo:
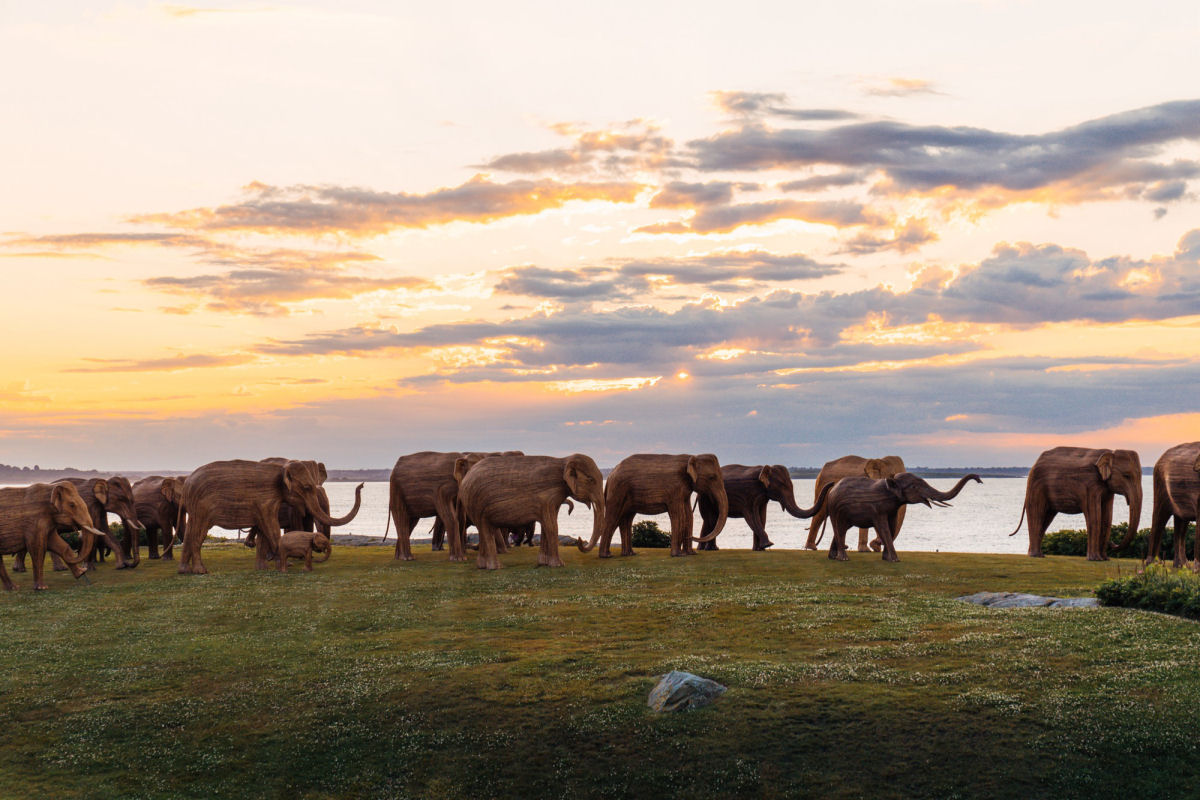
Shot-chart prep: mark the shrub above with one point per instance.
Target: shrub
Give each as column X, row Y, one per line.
column 1158, row 588
column 1074, row 542
column 647, row 534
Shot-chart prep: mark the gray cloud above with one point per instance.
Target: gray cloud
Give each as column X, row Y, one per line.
column 1110, row 153
column 774, row 104
column 364, row 212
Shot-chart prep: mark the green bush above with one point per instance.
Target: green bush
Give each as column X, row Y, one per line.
column 647, row 534
column 1158, row 588
column 1074, row 542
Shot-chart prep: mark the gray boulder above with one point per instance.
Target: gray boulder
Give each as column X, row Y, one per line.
column 683, row 691
column 1020, row 600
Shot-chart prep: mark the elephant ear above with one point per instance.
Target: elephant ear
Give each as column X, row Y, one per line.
column 322, row 473
column 167, row 489
column 1196, row 466
column 1104, row 465
column 293, row 476
column 100, row 490
column 764, row 476
column 691, row 469
column 893, row 486
column 571, row 477
column 461, row 466
column 58, row 497
column 875, row 468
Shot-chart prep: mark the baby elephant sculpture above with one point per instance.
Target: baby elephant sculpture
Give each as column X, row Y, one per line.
column 302, row 544
column 867, row 503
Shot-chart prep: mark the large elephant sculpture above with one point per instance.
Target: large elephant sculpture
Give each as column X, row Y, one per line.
column 30, row 518
column 247, row 494
column 424, row 485
column 292, row 518
column 503, row 493
column 156, row 501
column 749, row 489
column 1080, row 480
column 104, row 496
column 1176, row 494
column 655, row 484
column 868, row 503
column 855, row 466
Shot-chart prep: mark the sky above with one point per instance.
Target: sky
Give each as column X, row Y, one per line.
column 961, row 232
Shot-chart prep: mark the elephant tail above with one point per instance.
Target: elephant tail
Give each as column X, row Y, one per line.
column 821, row 530
column 1019, row 522
column 387, row 525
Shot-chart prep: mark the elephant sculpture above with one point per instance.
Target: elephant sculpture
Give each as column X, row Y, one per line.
column 1176, row 494
column 156, row 501
column 1078, row 480
column 749, row 489
column 292, row 518
column 857, row 466
column 302, row 544
column 868, row 503
column 423, row 485
column 104, row 496
column 503, row 493
column 30, row 517
column 654, row 484
column 248, row 494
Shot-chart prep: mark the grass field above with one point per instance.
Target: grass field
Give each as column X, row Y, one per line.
column 372, row 678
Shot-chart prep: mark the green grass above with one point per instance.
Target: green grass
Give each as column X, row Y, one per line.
column 373, row 678
column 1157, row 588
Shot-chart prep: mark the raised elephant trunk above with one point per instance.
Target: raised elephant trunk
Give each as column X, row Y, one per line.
column 323, row 517
column 942, row 497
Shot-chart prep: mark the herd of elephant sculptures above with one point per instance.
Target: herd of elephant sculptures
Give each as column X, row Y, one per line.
column 283, row 504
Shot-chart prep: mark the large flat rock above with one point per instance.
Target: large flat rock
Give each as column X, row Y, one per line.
column 1021, row 600
column 683, row 691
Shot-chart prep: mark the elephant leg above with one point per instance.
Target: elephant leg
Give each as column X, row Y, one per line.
column 487, row 546
column 152, row 541
column 19, row 561
column 689, row 523
column 1158, row 523
column 1180, row 537
column 837, row 545
column 1093, row 512
column 814, row 528
column 167, row 528
column 404, row 528
column 501, row 535
column 626, row 528
column 445, row 506
column 269, row 538
column 438, row 538
column 548, row 549
column 884, row 531
column 606, row 535
column 1039, row 518
column 863, row 537
column 756, row 518
column 37, row 558
column 56, row 545
column 8, row 584
column 308, row 560
column 676, row 518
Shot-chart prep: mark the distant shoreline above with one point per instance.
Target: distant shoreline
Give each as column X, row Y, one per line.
column 9, row 474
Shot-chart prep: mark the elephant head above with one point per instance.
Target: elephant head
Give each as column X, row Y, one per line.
column 885, row 467
column 1121, row 471
column 119, row 500
column 302, row 489
column 777, row 481
column 908, row 488
column 704, row 472
column 322, row 544
column 69, row 511
column 585, row 483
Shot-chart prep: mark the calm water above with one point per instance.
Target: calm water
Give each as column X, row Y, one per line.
column 978, row 522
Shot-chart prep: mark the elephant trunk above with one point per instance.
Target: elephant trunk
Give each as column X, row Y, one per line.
column 1134, row 497
column 721, row 499
column 328, row 552
column 805, row 513
column 321, row 516
column 942, row 497
column 88, row 537
column 135, row 529
column 597, row 505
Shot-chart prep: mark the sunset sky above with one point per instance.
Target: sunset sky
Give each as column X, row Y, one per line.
column 961, row 232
